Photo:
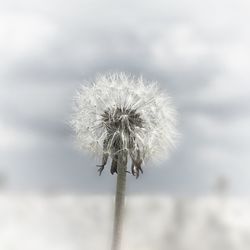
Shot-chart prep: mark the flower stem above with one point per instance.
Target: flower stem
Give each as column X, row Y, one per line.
column 119, row 200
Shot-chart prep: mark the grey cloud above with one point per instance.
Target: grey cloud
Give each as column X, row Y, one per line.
column 110, row 36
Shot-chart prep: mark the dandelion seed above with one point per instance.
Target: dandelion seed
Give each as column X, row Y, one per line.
column 118, row 113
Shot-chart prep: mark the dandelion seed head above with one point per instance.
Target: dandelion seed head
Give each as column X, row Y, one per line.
column 119, row 112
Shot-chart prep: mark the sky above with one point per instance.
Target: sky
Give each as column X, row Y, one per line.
column 198, row 51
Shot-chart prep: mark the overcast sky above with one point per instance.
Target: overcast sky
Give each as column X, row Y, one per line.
column 198, row 50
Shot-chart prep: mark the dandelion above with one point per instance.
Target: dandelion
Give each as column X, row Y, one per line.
column 126, row 119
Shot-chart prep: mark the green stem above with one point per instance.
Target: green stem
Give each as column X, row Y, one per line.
column 119, row 201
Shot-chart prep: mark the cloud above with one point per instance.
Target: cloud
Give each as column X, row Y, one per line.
column 198, row 50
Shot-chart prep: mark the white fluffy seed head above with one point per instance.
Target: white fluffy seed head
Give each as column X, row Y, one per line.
column 119, row 112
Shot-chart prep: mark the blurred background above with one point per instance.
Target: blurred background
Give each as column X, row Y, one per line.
column 198, row 51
